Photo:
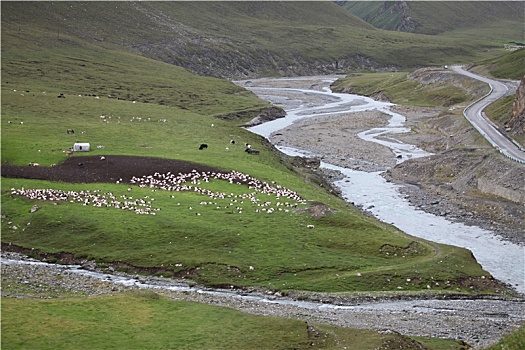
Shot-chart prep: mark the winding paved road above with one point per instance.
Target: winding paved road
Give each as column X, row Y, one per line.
column 475, row 115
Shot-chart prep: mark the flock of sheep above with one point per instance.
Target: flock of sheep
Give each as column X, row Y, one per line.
column 191, row 182
column 94, row 198
column 177, row 183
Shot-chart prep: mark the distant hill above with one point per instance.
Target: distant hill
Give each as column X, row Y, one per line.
column 510, row 65
column 242, row 39
column 437, row 17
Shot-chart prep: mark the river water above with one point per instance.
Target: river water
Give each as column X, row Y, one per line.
column 504, row 260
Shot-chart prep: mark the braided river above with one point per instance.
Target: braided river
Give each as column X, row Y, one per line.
column 311, row 97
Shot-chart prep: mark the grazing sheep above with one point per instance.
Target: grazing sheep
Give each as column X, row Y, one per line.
column 70, row 131
column 102, row 158
column 33, row 164
column 203, row 146
column 310, row 226
column 232, row 142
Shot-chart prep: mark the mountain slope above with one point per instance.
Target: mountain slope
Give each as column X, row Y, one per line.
column 436, row 17
column 239, row 39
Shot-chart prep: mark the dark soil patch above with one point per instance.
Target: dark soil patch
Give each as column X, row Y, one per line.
column 87, row 169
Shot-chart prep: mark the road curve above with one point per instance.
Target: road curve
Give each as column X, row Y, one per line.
column 476, row 116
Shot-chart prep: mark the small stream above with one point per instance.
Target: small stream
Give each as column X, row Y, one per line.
column 504, row 260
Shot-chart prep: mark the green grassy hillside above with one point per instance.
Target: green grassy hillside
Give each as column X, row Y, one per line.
column 510, row 65
column 243, row 39
column 425, row 87
column 284, row 253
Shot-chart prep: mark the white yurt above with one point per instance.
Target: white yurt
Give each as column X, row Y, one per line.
column 81, row 147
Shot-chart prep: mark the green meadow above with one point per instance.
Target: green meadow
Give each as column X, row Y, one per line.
column 145, row 320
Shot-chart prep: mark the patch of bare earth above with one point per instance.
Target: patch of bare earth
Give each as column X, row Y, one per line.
column 87, row 169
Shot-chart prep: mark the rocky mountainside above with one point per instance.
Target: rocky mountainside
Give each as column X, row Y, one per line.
column 516, row 122
column 435, row 17
column 391, row 15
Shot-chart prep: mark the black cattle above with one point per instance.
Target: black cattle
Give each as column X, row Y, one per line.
column 203, row 146
column 251, row 151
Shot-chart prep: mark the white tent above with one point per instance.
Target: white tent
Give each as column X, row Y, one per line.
column 81, row 147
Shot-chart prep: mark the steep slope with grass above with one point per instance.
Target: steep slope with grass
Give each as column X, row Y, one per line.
column 506, row 66
column 246, row 39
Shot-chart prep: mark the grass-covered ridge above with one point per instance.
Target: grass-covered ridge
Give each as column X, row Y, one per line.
column 425, row 87
column 239, row 39
column 506, row 66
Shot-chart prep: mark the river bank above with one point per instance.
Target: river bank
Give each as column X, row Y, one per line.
column 479, row 321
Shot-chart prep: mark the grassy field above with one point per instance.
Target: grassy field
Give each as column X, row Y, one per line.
column 142, row 320
column 401, row 88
